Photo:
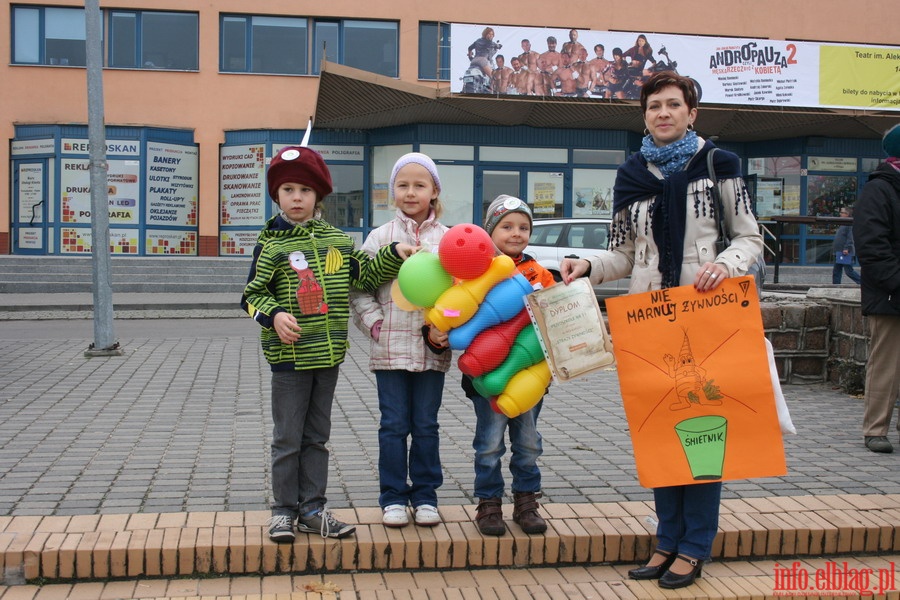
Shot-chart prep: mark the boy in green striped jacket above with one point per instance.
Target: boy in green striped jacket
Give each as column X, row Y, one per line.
column 298, row 291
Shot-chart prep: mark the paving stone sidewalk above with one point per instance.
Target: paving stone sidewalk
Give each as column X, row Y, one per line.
column 182, row 423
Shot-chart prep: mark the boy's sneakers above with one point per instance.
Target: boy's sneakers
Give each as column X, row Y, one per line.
column 281, row 529
column 395, row 515
column 427, row 515
column 323, row 523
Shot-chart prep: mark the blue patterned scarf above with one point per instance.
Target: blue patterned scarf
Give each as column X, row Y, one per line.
column 634, row 183
column 670, row 158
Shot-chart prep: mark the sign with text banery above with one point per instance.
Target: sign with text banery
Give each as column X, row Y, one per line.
column 606, row 64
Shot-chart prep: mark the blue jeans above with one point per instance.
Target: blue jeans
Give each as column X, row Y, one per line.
column 848, row 269
column 409, row 403
column 688, row 518
column 524, row 440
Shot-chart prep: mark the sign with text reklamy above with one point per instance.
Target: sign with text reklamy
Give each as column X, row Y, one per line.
column 695, row 383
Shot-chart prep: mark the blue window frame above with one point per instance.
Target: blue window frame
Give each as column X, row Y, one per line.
column 44, row 35
column 367, row 45
column 297, row 45
column 261, row 44
column 371, row 46
column 434, row 51
column 153, row 40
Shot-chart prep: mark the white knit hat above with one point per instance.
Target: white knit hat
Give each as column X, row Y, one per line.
column 419, row 159
column 502, row 206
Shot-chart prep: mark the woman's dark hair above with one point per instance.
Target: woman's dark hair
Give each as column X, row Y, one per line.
column 664, row 79
column 647, row 50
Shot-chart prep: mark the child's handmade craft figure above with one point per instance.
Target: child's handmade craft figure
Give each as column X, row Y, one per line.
column 310, row 298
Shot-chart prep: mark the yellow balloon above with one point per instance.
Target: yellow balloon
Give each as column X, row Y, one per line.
column 399, row 299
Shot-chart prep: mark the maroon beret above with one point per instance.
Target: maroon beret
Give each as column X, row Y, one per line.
column 297, row 164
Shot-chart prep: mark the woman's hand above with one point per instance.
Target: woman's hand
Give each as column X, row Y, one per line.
column 572, row 268
column 286, row 327
column 709, row 276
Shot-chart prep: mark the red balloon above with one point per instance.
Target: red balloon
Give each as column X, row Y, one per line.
column 466, row 251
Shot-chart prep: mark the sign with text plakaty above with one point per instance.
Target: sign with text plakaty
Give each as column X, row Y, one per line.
column 695, row 383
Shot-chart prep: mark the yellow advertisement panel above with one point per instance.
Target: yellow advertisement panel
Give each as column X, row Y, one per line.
column 863, row 76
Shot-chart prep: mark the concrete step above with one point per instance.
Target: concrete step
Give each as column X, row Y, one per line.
column 725, row 580
column 100, row 547
column 194, row 286
column 34, row 275
column 61, row 274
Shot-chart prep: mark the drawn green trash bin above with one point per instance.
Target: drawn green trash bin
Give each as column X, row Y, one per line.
column 703, row 441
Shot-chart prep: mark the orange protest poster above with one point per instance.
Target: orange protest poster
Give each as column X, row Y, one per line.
column 695, row 382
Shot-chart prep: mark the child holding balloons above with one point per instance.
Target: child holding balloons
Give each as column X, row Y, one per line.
column 508, row 221
column 409, row 358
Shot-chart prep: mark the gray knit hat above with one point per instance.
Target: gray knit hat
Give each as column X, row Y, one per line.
column 419, row 159
column 502, row 206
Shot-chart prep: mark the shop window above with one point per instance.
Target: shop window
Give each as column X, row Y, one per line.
column 598, row 157
column 344, row 207
column 826, row 194
column 592, row 191
column 778, row 192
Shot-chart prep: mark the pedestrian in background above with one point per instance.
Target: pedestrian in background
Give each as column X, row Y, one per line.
column 844, row 251
column 876, row 227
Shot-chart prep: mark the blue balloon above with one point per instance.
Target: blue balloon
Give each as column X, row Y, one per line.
column 502, row 303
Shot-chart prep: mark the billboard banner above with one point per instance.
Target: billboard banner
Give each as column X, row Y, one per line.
column 497, row 59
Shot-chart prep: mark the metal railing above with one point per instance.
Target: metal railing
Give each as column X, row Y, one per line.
column 779, row 223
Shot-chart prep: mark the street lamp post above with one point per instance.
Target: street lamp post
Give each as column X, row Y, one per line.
column 104, row 341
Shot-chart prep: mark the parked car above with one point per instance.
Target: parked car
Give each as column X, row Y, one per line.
column 552, row 240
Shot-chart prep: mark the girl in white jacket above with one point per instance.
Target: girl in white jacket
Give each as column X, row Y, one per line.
column 409, row 358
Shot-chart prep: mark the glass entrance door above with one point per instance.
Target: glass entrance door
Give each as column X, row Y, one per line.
column 543, row 190
column 494, row 183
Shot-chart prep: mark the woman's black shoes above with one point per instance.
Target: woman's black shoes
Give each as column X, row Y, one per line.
column 655, row 572
column 671, row 581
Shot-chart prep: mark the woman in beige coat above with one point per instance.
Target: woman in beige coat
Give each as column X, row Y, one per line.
column 664, row 235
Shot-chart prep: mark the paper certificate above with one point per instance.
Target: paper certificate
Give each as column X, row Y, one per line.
column 571, row 327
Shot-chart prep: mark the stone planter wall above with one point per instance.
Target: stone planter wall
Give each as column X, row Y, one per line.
column 818, row 337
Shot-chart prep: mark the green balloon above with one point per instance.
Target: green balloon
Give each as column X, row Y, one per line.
column 422, row 279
